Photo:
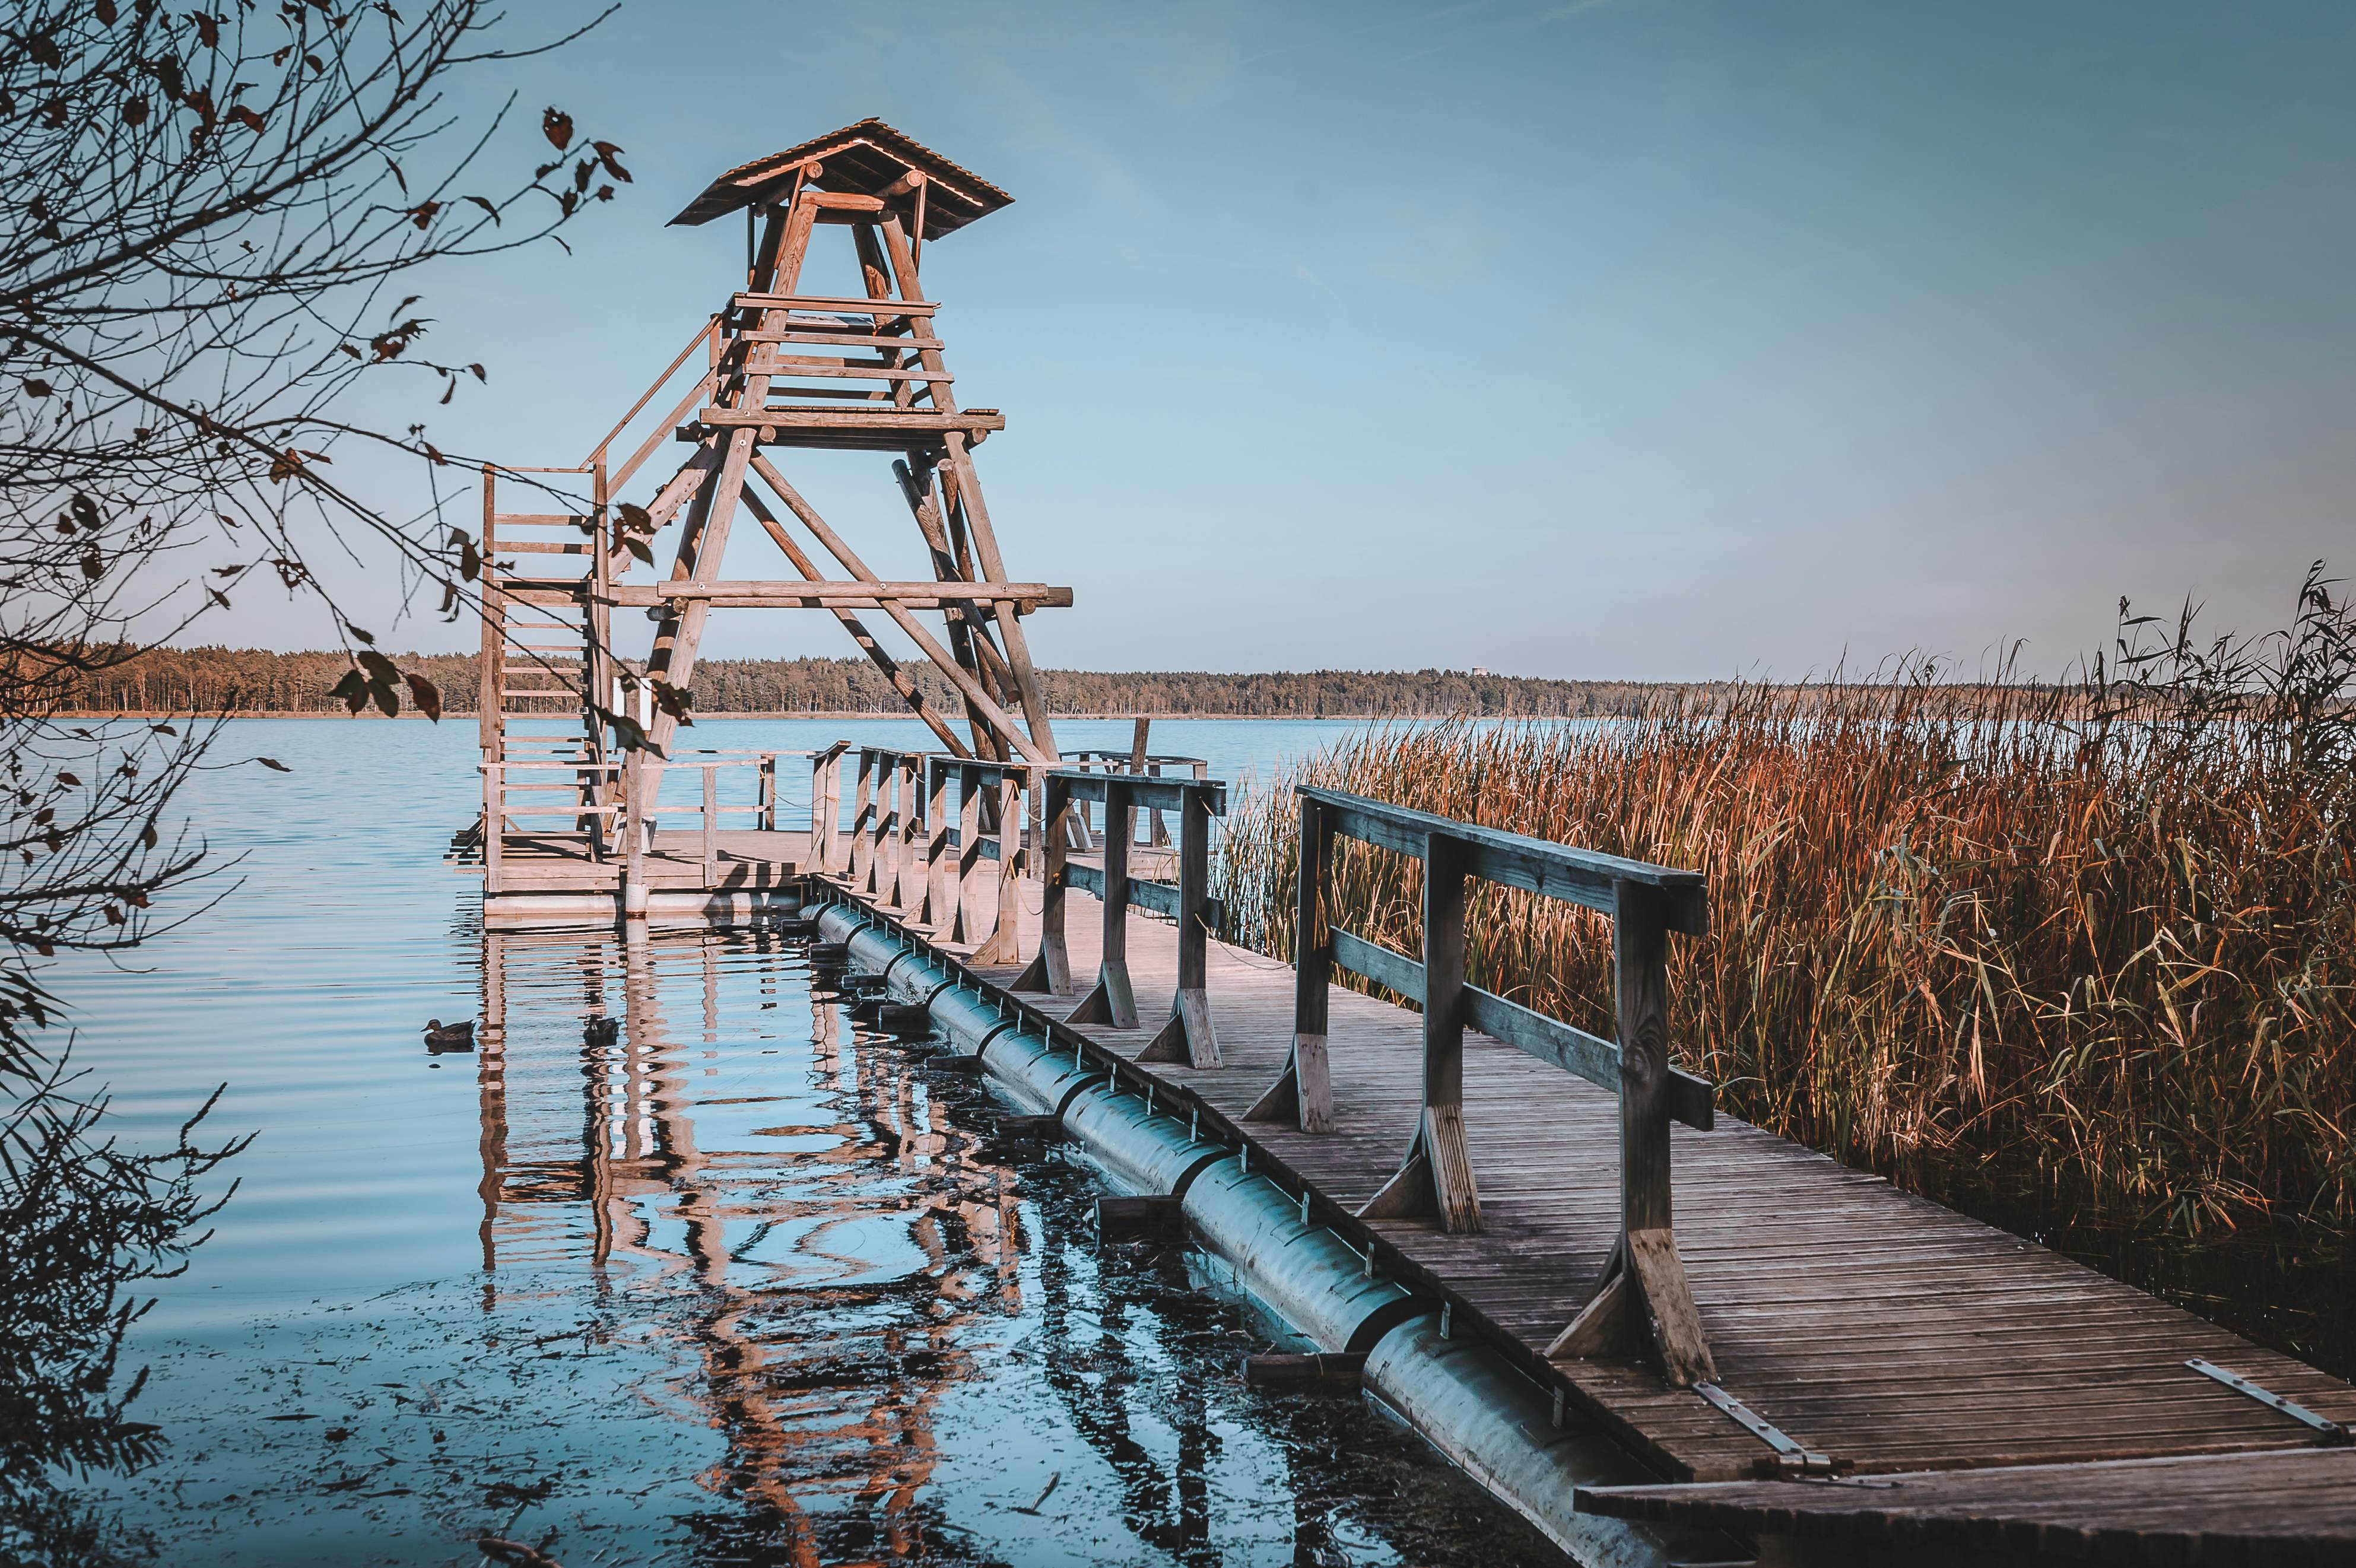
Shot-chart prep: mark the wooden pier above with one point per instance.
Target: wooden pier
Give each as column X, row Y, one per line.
column 1795, row 1349
column 1842, row 1362
column 1877, row 1331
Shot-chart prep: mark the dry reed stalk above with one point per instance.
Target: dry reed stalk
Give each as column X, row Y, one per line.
column 2089, row 949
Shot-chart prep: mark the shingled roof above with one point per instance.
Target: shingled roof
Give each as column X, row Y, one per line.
column 861, row 159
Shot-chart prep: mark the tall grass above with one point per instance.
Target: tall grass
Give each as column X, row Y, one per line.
column 2055, row 954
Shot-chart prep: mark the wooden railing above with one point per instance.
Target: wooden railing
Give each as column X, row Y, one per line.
column 989, row 825
column 886, row 829
column 1189, row 1035
column 642, row 808
column 922, row 823
column 1152, row 765
column 1645, row 1297
column 826, row 806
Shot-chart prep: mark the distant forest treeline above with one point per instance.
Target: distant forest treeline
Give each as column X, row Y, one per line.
column 256, row 680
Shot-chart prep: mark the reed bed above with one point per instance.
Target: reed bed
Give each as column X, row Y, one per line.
column 2053, row 954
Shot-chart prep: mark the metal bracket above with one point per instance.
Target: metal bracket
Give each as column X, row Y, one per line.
column 2329, row 1434
column 1789, row 1457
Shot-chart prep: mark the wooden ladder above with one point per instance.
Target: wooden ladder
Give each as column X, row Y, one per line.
column 544, row 674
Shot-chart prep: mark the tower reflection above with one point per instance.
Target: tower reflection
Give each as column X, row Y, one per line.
column 794, row 1186
column 836, row 1258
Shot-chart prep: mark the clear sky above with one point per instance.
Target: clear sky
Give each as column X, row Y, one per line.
column 1654, row 339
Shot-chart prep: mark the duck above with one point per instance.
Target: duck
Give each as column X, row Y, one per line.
column 441, row 1037
column 601, row 1031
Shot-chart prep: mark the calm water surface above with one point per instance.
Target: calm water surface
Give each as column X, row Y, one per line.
column 742, row 1285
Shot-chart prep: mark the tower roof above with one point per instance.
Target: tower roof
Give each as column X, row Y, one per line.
column 864, row 159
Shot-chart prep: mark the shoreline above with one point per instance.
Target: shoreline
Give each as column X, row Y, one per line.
column 836, row 714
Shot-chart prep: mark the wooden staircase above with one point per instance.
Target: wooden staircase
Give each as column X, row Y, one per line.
column 548, row 771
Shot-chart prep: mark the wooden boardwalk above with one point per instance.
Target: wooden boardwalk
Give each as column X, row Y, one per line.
column 2268, row 1510
column 1874, row 1327
column 741, row 859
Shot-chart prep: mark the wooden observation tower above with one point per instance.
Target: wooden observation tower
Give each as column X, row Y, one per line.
column 783, row 371
column 795, row 371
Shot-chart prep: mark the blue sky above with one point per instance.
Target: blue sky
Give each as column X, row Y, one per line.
column 1658, row 338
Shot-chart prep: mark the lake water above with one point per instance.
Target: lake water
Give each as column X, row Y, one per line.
column 740, row 1286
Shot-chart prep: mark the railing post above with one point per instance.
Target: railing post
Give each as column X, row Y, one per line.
column 1189, row 1037
column 1436, row 1178
column 1003, row 944
column 1111, row 1001
column 863, row 802
column 1053, row 967
column 1640, row 985
column 495, row 817
column 710, row 825
column 890, row 806
column 1663, row 1304
column 941, row 886
column 908, row 886
column 494, row 645
column 826, row 806
column 880, row 869
column 634, row 847
column 598, row 614
column 1305, row 1091
column 765, row 801
column 969, row 848
column 821, row 839
column 1644, row 1300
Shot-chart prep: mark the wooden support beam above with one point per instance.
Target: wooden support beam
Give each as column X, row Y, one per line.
column 985, row 539
column 787, row 368
column 680, row 634
column 971, row 689
column 821, row 592
column 898, row 424
column 1338, row 1370
column 876, row 277
column 961, row 619
column 1153, row 1217
column 901, row 681
column 841, row 335
column 832, row 305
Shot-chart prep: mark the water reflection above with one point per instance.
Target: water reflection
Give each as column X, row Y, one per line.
column 835, row 1268
column 844, row 1249
column 735, row 1282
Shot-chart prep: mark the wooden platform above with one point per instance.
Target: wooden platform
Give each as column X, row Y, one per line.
column 742, row 860
column 1878, row 1330
column 2278, row 1510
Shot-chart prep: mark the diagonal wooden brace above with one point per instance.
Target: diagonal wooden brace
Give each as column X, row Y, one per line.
column 1435, row 1180
column 1643, row 1306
